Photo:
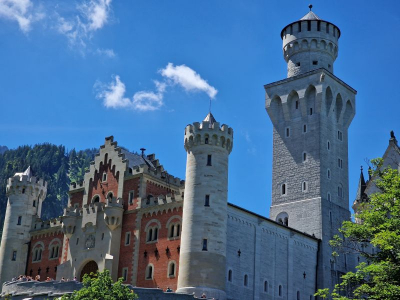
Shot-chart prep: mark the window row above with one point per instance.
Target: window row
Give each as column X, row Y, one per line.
column 304, row 188
column 54, row 251
column 171, row 271
column 152, row 232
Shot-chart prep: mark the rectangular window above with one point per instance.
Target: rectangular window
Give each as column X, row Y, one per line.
column 310, row 111
column 209, row 160
column 319, row 26
column 206, row 140
column 304, row 128
column 19, row 220
column 207, row 200
column 315, row 62
column 297, row 104
column 299, row 26
column 125, row 274
column 14, row 255
column 77, row 241
column 204, row 245
column 327, row 28
column 127, row 238
column 340, row 135
column 287, row 132
column 340, row 163
column 131, row 195
column 308, row 25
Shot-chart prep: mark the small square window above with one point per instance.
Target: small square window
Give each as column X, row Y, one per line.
column 315, row 62
column 298, row 64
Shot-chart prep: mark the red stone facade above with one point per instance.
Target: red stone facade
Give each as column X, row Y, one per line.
column 46, row 266
column 156, row 253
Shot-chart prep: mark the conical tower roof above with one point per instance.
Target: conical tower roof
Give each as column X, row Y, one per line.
column 210, row 118
column 361, row 186
column 310, row 16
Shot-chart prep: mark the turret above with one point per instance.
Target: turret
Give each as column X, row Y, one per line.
column 202, row 261
column 25, row 195
column 310, row 43
column 361, row 196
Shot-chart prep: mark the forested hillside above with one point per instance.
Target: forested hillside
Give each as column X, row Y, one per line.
column 53, row 163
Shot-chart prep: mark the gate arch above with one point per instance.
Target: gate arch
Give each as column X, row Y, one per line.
column 90, row 267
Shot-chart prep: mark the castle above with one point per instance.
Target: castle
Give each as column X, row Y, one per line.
column 130, row 216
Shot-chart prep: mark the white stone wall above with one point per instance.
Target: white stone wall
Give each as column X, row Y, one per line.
column 271, row 253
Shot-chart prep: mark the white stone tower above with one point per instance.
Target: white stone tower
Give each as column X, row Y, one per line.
column 311, row 112
column 25, row 197
column 202, row 261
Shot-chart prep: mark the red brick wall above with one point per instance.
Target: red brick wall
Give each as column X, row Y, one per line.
column 131, row 184
column 96, row 187
column 157, row 189
column 160, row 262
column 76, row 198
column 126, row 252
column 46, row 264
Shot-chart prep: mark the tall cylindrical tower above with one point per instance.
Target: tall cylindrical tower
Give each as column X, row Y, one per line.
column 310, row 43
column 202, row 261
column 25, row 196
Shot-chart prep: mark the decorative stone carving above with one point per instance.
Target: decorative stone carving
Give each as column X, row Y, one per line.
column 90, row 241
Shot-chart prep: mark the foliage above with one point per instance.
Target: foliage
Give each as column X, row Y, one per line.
column 50, row 162
column 378, row 276
column 100, row 286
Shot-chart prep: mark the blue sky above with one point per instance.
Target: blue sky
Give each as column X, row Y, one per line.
column 74, row 72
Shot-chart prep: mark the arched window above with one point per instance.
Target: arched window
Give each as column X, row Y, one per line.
column 286, row 221
column 265, row 286
column 54, row 249
column 150, row 235
column 171, row 269
column 96, row 199
column 304, row 186
column 37, row 252
column 110, row 196
column 230, row 275
column 283, row 189
column 172, row 230
column 149, row 272
column 155, row 234
column 246, row 280
column 280, row 291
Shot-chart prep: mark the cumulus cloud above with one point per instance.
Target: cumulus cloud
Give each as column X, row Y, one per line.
column 188, row 79
column 21, row 11
column 113, row 94
column 91, row 16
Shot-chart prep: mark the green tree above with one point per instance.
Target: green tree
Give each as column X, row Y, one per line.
column 379, row 277
column 100, row 286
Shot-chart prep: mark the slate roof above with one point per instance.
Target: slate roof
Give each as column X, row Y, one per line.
column 310, row 16
column 135, row 160
column 210, row 118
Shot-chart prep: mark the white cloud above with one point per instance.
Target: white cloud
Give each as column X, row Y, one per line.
column 113, row 94
column 188, row 79
column 91, row 16
column 21, row 11
column 106, row 52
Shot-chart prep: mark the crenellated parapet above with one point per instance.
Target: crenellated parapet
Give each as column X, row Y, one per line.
column 208, row 133
column 19, row 184
column 158, row 173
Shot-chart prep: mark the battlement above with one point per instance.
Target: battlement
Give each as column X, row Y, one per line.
column 161, row 200
column 208, row 133
column 158, row 172
column 74, row 186
column 19, row 183
column 55, row 223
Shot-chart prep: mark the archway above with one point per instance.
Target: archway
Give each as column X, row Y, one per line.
column 90, row 267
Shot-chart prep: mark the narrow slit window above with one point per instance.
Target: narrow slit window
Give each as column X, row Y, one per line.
column 209, row 160
column 328, row 145
column 246, row 280
column 329, row 197
column 127, row 238
column 297, row 104
column 328, row 174
column 327, row 28
column 304, row 128
column 319, row 26
column 14, row 256
column 230, row 275
column 266, row 286
column 34, row 203
column 299, row 26
column 125, row 274
column 311, row 111
column 206, row 140
column 304, row 186
column 308, row 25
column 204, row 245
column 304, row 156
column 207, row 200
column 131, row 195
column 283, row 189
column 19, row 222
column 280, row 290
column 287, row 132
